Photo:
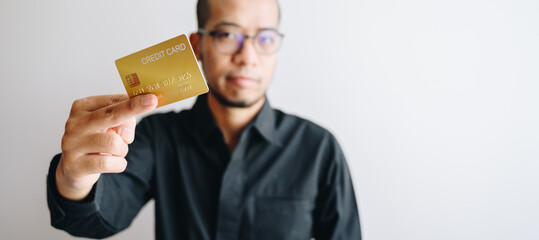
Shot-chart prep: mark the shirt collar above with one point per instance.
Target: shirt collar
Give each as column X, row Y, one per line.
column 265, row 123
column 203, row 123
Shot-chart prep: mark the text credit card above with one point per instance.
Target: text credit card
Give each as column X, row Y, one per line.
column 168, row 69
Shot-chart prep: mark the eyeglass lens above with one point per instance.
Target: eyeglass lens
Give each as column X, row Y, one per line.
column 229, row 42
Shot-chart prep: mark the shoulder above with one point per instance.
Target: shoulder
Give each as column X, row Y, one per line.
column 315, row 145
column 290, row 126
column 158, row 119
column 164, row 122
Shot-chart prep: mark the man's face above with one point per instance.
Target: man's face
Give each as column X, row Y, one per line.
column 242, row 78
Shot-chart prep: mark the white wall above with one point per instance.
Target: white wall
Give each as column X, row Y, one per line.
column 434, row 102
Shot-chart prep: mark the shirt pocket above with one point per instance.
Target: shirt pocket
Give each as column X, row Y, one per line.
column 282, row 218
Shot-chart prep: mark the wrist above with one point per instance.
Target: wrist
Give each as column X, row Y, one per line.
column 69, row 189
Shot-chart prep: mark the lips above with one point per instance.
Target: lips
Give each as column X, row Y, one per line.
column 241, row 81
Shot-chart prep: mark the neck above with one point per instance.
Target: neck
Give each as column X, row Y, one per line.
column 232, row 120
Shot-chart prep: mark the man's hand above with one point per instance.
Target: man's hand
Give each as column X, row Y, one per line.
column 95, row 140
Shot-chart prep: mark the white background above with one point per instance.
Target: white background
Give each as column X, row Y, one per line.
column 435, row 103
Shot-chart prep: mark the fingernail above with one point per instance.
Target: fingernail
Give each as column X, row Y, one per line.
column 127, row 134
column 147, row 100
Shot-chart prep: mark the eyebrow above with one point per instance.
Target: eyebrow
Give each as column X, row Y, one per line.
column 227, row 23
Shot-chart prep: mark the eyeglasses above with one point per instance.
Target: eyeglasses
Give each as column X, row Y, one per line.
column 266, row 41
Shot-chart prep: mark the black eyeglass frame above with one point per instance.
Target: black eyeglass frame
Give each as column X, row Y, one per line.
column 215, row 32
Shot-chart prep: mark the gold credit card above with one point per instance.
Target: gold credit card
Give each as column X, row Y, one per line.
column 168, row 69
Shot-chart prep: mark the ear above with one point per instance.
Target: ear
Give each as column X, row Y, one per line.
column 194, row 38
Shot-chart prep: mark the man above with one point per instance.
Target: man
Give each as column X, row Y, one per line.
column 230, row 168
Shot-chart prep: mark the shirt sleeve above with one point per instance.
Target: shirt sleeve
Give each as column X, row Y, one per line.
column 336, row 213
column 114, row 200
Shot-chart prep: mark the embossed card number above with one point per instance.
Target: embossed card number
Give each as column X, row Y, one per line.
column 168, row 69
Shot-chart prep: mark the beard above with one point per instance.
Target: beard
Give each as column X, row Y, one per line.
column 223, row 100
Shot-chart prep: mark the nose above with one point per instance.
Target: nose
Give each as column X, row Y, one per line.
column 247, row 55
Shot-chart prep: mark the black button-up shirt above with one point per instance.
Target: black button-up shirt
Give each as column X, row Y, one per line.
column 287, row 178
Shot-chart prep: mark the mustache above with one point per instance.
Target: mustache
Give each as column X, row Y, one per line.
column 243, row 72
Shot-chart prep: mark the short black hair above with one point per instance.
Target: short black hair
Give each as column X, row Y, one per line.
column 203, row 12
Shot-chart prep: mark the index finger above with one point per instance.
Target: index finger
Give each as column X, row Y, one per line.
column 116, row 114
column 96, row 102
